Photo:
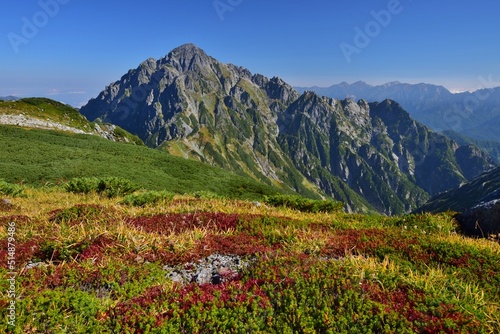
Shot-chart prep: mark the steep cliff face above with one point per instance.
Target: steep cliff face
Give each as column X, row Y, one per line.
column 371, row 156
column 376, row 149
column 475, row 115
column 477, row 201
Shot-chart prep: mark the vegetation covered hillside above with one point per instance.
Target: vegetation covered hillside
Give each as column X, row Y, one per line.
column 92, row 264
column 484, row 188
column 43, row 157
column 45, row 113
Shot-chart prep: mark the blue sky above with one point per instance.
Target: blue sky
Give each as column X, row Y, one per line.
column 78, row 47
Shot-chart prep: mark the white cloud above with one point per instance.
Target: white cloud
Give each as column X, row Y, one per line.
column 54, row 91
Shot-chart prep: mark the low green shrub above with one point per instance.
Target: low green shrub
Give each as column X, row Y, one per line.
column 78, row 212
column 13, row 190
column 147, row 198
column 82, row 185
column 115, row 187
column 109, row 186
column 304, row 204
column 204, row 194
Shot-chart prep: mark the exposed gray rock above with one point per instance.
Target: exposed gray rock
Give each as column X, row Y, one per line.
column 26, row 121
column 6, row 202
column 214, row 269
column 475, row 115
column 106, row 131
column 482, row 220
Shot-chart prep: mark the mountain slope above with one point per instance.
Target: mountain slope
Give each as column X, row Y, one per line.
column 475, row 114
column 391, row 160
column 44, row 113
column 484, row 188
column 8, row 98
column 39, row 157
column 490, row 147
column 369, row 156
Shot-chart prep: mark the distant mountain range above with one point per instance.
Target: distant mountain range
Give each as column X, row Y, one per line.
column 475, row 115
column 372, row 156
column 9, row 98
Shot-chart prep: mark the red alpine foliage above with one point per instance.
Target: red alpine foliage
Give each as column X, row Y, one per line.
column 18, row 219
column 409, row 302
column 352, row 241
column 181, row 222
column 231, row 294
column 98, row 248
column 240, row 244
column 22, row 252
column 365, row 241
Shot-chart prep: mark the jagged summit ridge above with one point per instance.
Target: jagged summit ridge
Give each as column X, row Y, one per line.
column 372, row 156
column 187, row 57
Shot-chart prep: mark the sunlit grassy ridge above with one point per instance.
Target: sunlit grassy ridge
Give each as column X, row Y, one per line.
column 40, row 157
column 99, row 267
column 46, row 109
column 48, row 113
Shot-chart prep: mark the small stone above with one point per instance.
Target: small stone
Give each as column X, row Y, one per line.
column 32, row 265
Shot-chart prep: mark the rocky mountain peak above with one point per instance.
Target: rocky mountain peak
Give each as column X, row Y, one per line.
column 372, row 156
column 187, row 51
column 187, row 57
column 391, row 111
